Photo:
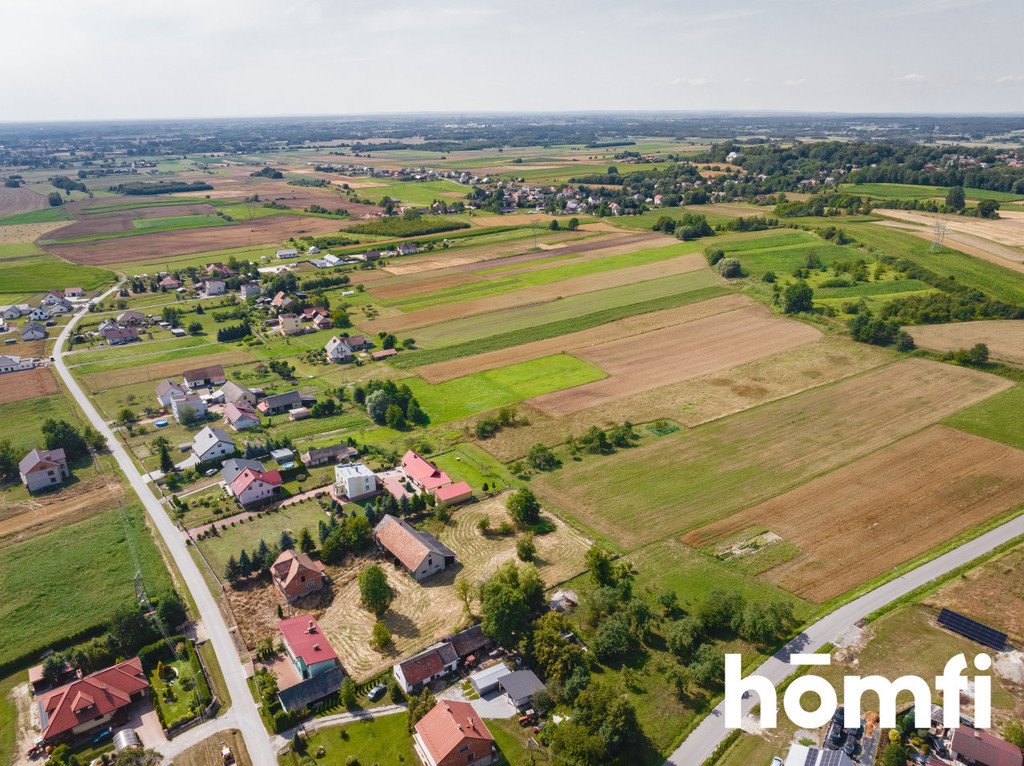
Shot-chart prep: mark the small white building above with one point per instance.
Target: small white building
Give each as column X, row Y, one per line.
column 13, row 363
column 287, row 253
column 212, row 443
column 168, row 391
column 354, row 480
column 188, row 407
column 486, row 681
column 338, row 351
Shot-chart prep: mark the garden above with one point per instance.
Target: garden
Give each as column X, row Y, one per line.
column 180, row 689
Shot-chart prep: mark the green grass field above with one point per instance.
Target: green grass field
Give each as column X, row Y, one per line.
column 466, row 396
column 384, row 740
column 569, row 309
column 911, row 191
column 21, row 422
column 173, row 222
column 46, row 215
column 997, row 418
column 417, row 192
column 467, row 462
column 646, row 220
column 26, row 269
column 45, row 599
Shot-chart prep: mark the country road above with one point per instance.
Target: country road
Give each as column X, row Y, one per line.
column 244, row 714
column 702, row 742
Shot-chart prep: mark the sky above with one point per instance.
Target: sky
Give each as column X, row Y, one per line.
column 158, row 59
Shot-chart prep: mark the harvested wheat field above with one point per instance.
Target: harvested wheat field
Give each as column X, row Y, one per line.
column 703, row 399
column 100, row 381
column 27, row 385
column 259, row 231
column 613, row 331
column 20, row 200
column 396, row 288
column 26, row 232
column 882, row 510
column 691, row 478
column 1004, row 338
column 989, row 593
column 539, row 294
column 681, row 352
column 42, row 513
column 423, row 613
column 1008, row 229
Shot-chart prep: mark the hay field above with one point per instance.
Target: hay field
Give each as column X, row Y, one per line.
column 691, row 478
column 1008, row 229
column 538, row 294
column 1004, row 338
column 20, row 200
column 425, row 612
column 26, row 232
column 703, row 399
column 859, row 521
column 100, row 381
column 617, row 330
column 681, row 352
column 27, row 385
column 20, row 521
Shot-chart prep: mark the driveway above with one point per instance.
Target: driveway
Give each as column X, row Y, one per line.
column 492, row 705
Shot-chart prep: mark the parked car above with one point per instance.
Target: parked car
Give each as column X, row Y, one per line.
column 776, row 761
column 377, row 692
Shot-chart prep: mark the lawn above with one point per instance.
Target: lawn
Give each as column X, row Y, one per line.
column 998, row 418
column 384, row 740
column 467, row 462
column 466, row 396
column 29, row 270
column 570, row 309
column 179, row 687
column 21, row 422
column 47, row 599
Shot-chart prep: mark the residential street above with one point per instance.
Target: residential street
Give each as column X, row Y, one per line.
column 244, row 712
column 705, row 738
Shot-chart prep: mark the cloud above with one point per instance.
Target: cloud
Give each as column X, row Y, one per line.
column 795, row 82
column 913, row 77
column 1010, row 79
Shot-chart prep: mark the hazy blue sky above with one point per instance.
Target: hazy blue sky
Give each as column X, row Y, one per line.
column 84, row 59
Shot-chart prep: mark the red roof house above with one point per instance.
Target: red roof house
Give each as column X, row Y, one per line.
column 297, row 575
column 452, row 494
column 307, row 646
column 252, row 486
column 423, row 472
column 91, row 702
column 452, row 733
column 979, row 747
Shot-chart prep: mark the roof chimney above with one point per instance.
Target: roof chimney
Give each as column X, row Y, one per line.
column 316, row 647
column 310, row 627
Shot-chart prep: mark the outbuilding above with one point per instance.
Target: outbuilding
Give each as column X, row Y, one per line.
column 486, row 681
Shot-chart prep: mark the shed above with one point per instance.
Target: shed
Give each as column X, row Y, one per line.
column 520, row 687
column 282, row 454
column 126, row 738
column 485, row 681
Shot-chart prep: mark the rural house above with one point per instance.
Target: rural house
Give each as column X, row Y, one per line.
column 287, row 253
column 41, row 469
column 251, row 486
column 168, row 391
column 420, row 553
column 289, row 324
column 205, row 377
column 278, row 404
column 40, row 314
column 235, row 465
column 90, row 703
column 297, row 575
column 169, row 283
column 980, row 748
column 430, row 478
column 33, row 331
column 241, row 416
column 212, row 443
column 323, row 322
column 188, row 408
column 249, row 290
column 12, row 363
column 407, row 248
column 281, row 301
column 338, row 350
column 317, row 672
column 73, row 292
column 118, row 336
column 426, row 667
column 453, row 733
column 354, row 481
column 131, row 318
column 333, row 453
column 56, row 298
column 236, row 394
column 214, row 287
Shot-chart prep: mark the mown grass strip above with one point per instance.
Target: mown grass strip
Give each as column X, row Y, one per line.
column 554, row 329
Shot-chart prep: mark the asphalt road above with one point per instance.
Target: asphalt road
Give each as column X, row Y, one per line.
column 245, row 715
column 703, row 740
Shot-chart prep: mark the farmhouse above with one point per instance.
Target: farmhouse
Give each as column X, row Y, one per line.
column 289, row 324
column 90, row 703
column 56, row 298
column 41, row 469
column 212, row 443
column 287, row 253
column 354, row 481
column 33, row 331
column 236, row 394
column 407, row 248
column 168, row 391
column 323, row 322
column 214, row 287
column 12, row 363
column 118, row 336
column 452, row 733
column 420, row 553
column 188, row 408
column 426, row 667
column 249, row 290
column 278, row 404
column 520, row 687
column 218, row 269
column 234, row 466
column 169, row 283
column 73, row 292
column 241, row 416
column 338, row 350
column 314, row 661
column 281, row 301
column 297, row 575
column 251, row 486
column 979, row 748
column 205, row 377
column 331, row 454
column 131, row 318
column 424, row 474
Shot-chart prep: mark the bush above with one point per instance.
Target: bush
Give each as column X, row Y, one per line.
column 714, row 255
column 526, row 549
column 729, row 268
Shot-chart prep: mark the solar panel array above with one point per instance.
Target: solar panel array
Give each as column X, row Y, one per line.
column 835, row 758
column 975, row 631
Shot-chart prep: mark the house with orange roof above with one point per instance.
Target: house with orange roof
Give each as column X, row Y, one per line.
column 422, row 554
column 91, row 702
column 453, row 733
column 297, row 575
column 425, row 474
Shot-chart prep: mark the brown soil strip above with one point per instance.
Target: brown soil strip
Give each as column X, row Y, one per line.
column 27, row 385
column 1004, row 338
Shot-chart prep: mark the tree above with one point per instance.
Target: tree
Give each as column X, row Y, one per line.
column 194, row 328
column 797, row 297
column 574, row 223
column 600, row 562
column 59, row 434
column 126, row 417
column 507, row 601
column 721, row 611
column 553, row 225
column 523, row 506
column 894, row 755
column 420, row 706
column 612, row 639
column 306, row 542
column 526, row 549
column 286, row 541
column 381, row 638
column 463, row 590
column 163, row 448
column 765, row 622
column 8, row 461
column 231, row 571
column 348, row 692
column 542, row 458
column 1014, row 732
column 53, row 669
column 394, row 417
column 128, row 630
column 708, row 667
column 955, row 198
column 136, row 756
column 171, row 611
column 682, row 637
column 374, row 592
column 377, row 406
column 55, row 199
column 988, row 208
column 62, row 755
column 555, row 656
column 244, row 563
column 729, row 268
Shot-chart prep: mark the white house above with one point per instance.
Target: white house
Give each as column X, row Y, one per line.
column 422, row 554
column 251, row 486
column 235, row 394
column 338, row 350
column 233, row 466
column 168, row 391
column 214, row 286
column 40, row 314
column 33, row 331
column 212, row 443
column 290, row 324
column 241, row 416
column 188, row 406
column 354, row 480
column 426, row 667
column 12, row 363
column 249, row 290
column 287, row 253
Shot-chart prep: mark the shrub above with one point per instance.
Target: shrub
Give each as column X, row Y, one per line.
column 729, row 268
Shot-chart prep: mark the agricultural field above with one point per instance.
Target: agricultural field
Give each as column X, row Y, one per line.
column 690, row 478
column 26, row 269
column 995, row 418
column 912, row 191
column 28, row 385
column 859, row 521
column 1005, row 339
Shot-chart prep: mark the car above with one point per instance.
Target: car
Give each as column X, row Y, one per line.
column 377, row 692
column 210, row 472
column 776, row 761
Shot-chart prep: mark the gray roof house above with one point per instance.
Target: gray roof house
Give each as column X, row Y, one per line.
column 42, row 469
column 234, row 393
column 234, row 466
column 520, row 687
column 33, row 331
column 212, row 443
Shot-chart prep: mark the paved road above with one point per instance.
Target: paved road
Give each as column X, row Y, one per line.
column 705, row 738
column 244, row 713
